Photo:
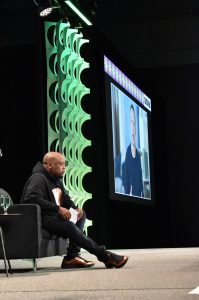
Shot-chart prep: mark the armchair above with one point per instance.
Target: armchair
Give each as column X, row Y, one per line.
column 26, row 239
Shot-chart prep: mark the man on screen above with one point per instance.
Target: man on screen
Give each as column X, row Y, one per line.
column 132, row 176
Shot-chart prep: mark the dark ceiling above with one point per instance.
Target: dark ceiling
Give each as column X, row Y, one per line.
column 149, row 32
column 147, row 10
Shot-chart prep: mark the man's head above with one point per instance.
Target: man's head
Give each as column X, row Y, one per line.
column 54, row 163
column 132, row 126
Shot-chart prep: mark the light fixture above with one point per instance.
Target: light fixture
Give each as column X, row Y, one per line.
column 78, row 12
column 45, row 11
column 45, row 7
column 66, row 8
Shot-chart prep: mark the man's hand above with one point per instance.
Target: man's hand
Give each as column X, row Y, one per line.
column 64, row 213
column 80, row 213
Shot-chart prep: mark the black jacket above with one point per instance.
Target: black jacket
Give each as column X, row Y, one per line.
column 38, row 190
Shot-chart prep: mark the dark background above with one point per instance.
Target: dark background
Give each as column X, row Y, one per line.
column 157, row 44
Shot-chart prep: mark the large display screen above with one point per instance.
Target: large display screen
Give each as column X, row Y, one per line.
column 129, row 144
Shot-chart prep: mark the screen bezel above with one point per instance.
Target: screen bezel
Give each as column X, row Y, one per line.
column 112, row 194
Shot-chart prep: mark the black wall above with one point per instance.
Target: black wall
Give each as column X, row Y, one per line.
column 21, row 121
column 178, row 87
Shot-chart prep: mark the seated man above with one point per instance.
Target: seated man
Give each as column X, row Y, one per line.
column 45, row 188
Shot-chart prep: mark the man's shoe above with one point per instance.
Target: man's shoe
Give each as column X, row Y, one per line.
column 115, row 260
column 76, row 262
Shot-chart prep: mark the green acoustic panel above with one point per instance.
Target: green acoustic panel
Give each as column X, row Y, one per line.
column 65, row 92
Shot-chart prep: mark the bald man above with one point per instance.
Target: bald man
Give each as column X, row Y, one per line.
column 45, row 188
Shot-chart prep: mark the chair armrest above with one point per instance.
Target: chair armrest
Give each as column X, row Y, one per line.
column 23, row 232
column 31, row 214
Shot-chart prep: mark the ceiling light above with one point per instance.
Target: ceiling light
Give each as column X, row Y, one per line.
column 45, row 11
column 78, row 12
column 45, row 7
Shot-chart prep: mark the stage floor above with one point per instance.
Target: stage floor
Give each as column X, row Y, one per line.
column 171, row 273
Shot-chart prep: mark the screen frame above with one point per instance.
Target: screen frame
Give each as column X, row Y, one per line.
column 112, row 194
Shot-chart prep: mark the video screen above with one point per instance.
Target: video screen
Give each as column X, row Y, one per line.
column 128, row 115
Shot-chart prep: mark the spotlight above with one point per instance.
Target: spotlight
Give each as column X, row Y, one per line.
column 45, row 11
column 67, row 8
column 45, row 7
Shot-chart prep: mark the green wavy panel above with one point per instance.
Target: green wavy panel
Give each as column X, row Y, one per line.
column 65, row 92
